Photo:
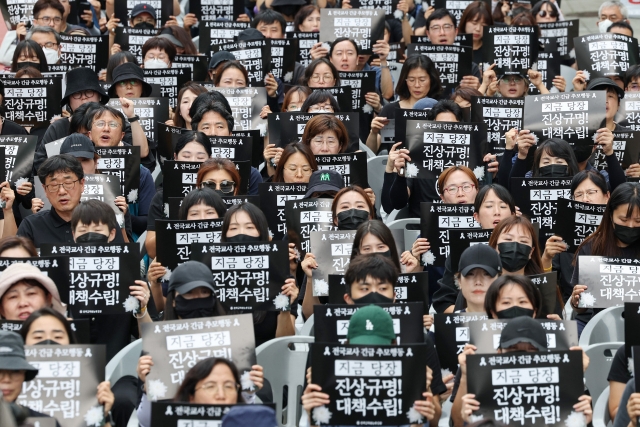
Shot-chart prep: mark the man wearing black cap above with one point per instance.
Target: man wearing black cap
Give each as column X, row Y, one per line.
column 143, row 16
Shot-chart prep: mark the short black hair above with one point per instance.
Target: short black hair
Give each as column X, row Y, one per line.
column 207, row 98
column 101, row 110
column 592, row 175
column 502, row 193
column 82, row 116
column 621, row 24
column 94, row 211
column 193, row 136
column 342, row 39
column 60, row 163
column 269, row 16
column 47, row 311
column 631, row 74
column 446, row 106
column 439, row 14
column 375, row 265
column 202, row 195
column 318, row 96
column 216, row 107
column 255, row 214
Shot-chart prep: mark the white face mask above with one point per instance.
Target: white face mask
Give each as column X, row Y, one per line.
column 51, row 55
column 155, row 63
column 604, row 25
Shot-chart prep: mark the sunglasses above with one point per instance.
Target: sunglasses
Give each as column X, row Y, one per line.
column 226, row 186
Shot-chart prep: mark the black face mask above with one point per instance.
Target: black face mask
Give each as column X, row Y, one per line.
column 513, row 312
column 373, row 298
column 583, row 153
column 47, row 342
column 554, row 171
column 386, row 253
column 195, row 307
column 242, row 238
column 144, row 25
column 92, row 237
column 626, row 235
column 514, row 255
column 26, row 64
column 351, row 219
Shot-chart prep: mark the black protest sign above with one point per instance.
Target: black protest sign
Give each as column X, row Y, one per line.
column 132, row 39
column 214, row 10
column 605, row 54
column 99, row 277
column 304, row 216
column 174, row 240
column 257, row 144
column 631, row 319
column 388, row 135
column 18, row 157
column 179, row 178
column 455, row 7
column 122, row 10
column 549, row 67
column 288, row 127
column 180, row 414
column 55, row 267
column 389, row 6
column 610, row 281
column 177, row 345
column 273, row 196
column 485, row 334
column 573, row 116
column 16, row 11
column 85, row 51
column 234, row 148
column 352, row 167
column 31, row 102
column 167, row 140
column 514, row 50
column 79, row 327
column 342, row 94
column 460, row 240
column 563, row 32
column 547, row 284
column 361, row 83
column 626, row 146
column 247, row 276
column 386, row 380
column 254, row 55
column 527, row 388
column 123, row 162
column 305, row 43
column 150, row 110
column 237, row 200
column 364, row 26
column 283, row 58
column 437, row 220
column 170, row 80
column 452, row 62
column 246, row 105
column 331, row 321
column 11, row 325
column 576, row 221
column 460, row 40
column 451, row 335
column 66, row 384
column 213, row 33
column 538, row 198
column 628, row 114
column 332, row 250
column 401, row 117
column 198, row 64
column 436, row 146
column 499, row 116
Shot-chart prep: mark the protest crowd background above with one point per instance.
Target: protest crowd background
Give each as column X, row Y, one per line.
column 319, row 213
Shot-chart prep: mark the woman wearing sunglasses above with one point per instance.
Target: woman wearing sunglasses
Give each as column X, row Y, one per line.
column 546, row 11
column 219, row 175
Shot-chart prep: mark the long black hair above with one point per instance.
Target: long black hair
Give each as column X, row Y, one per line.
column 556, row 147
column 382, row 232
column 199, row 196
column 47, row 311
column 530, row 290
column 424, row 62
column 255, row 214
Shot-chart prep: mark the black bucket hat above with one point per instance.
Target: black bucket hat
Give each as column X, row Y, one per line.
column 604, row 83
column 129, row 71
column 80, row 79
column 12, row 357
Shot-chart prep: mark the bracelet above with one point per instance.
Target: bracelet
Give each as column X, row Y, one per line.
column 143, row 314
column 133, row 119
column 546, row 270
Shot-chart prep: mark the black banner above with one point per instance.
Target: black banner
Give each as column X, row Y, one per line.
column 576, row 221
column 452, row 62
column 361, row 83
column 170, row 80
column 236, row 200
column 436, row 222
column 626, row 146
column 198, row 64
column 254, row 55
column 247, row 276
column 214, row 10
column 85, row 51
column 389, row 6
column 547, row 284
column 213, row 33
column 31, row 102
column 18, row 157
column 562, row 32
column 177, row 345
column 150, row 110
column 401, row 117
column 246, row 104
column 123, row 162
column 332, row 250
column 167, row 140
column 386, row 380
column 304, row 216
column 132, row 39
column 451, row 335
column 485, row 334
column 273, row 196
column 629, row 111
column 179, row 178
column 16, row 11
column 514, row 50
column 181, row 414
column 499, row 115
column 100, row 276
column 365, row 26
column 460, row 240
column 352, row 167
column 234, row 148
column 605, row 54
column 283, row 58
column 610, row 281
column 455, row 7
column 549, row 67
column 305, row 43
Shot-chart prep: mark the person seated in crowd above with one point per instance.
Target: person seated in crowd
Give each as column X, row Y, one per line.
column 478, row 267
column 629, row 408
column 25, row 289
column 50, row 42
column 186, row 96
column 158, row 52
column 231, row 74
column 321, row 73
column 295, row 164
column 28, row 53
column 93, row 221
column 17, row 247
column 221, row 176
column 514, row 85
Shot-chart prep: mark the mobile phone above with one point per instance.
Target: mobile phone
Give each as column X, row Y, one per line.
column 83, row 8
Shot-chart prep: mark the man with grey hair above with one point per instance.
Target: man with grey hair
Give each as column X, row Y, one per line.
column 611, row 11
column 49, row 40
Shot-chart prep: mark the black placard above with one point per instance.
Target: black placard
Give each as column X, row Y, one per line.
column 123, row 162
column 100, row 276
column 452, row 62
column 16, row 11
column 198, row 64
column 18, row 157
column 562, row 32
column 609, row 281
column 352, row 167
column 177, row 345
column 401, row 117
column 342, row 94
column 547, row 284
column 332, row 250
column 254, row 55
column 605, row 54
column 174, row 414
column 626, row 146
column 364, row 26
column 331, row 321
column 387, row 380
column 451, row 335
column 514, row 50
column 163, row 9
column 273, row 196
column 629, row 111
column 436, row 146
column 304, row 216
column 179, row 178
column 499, row 116
column 167, row 140
column 174, row 240
column 502, row 384
column 305, row 43
column 549, row 67
column 460, row 40
column 257, row 144
column 170, row 80
column 283, row 58
column 234, row 148
column 246, row 104
column 31, row 102
column 236, row 200
column 361, row 83
column 576, row 221
column 485, row 334
column 460, row 240
column 132, row 39
column 55, row 267
column 85, row 51
column 389, row 6
column 436, row 221
column 214, row 10
column 66, row 384
column 150, row 110
column 213, row 33
column 247, row 276
column 455, row 7
column 79, row 327
column 631, row 322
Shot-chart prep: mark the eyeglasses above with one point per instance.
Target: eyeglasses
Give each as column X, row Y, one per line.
column 589, row 193
column 83, row 94
column 511, row 79
column 47, row 19
column 453, row 189
column 316, row 78
column 413, row 81
column 438, row 28
column 306, row 170
column 13, row 375
column 320, row 107
column 102, row 123
column 48, row 45
column 129, row 82
column 331, row 142
column 68, row 185
column 228, row 388
column 226, row 186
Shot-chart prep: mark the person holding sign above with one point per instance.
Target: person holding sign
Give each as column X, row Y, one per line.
column 326, row 134
column 186, row 96
column 516, row 241
column 220, row 175
column 321, row 73
column 158, row 53
column 296, row 163
column 479, row 266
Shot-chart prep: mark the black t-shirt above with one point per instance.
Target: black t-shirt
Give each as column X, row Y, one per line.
column 619, row 371
column 156, row 211
column 422, row 190
column 266, row 330
column 12, row 128
column 389, row 110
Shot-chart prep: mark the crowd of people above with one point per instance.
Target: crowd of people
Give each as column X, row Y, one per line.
column 492, row 280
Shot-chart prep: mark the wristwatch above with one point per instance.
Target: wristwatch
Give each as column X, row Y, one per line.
column 133, row 119
column 108, row 419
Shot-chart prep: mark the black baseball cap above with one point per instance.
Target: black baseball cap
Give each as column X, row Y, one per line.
column 249, row 34
column 219, row 57
column 324, row 180
column 167, row 33
column 79, row 146
column 143, row 8
column 604, row 83
column 191, row 275
column 523, row 329
column 480, row 256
